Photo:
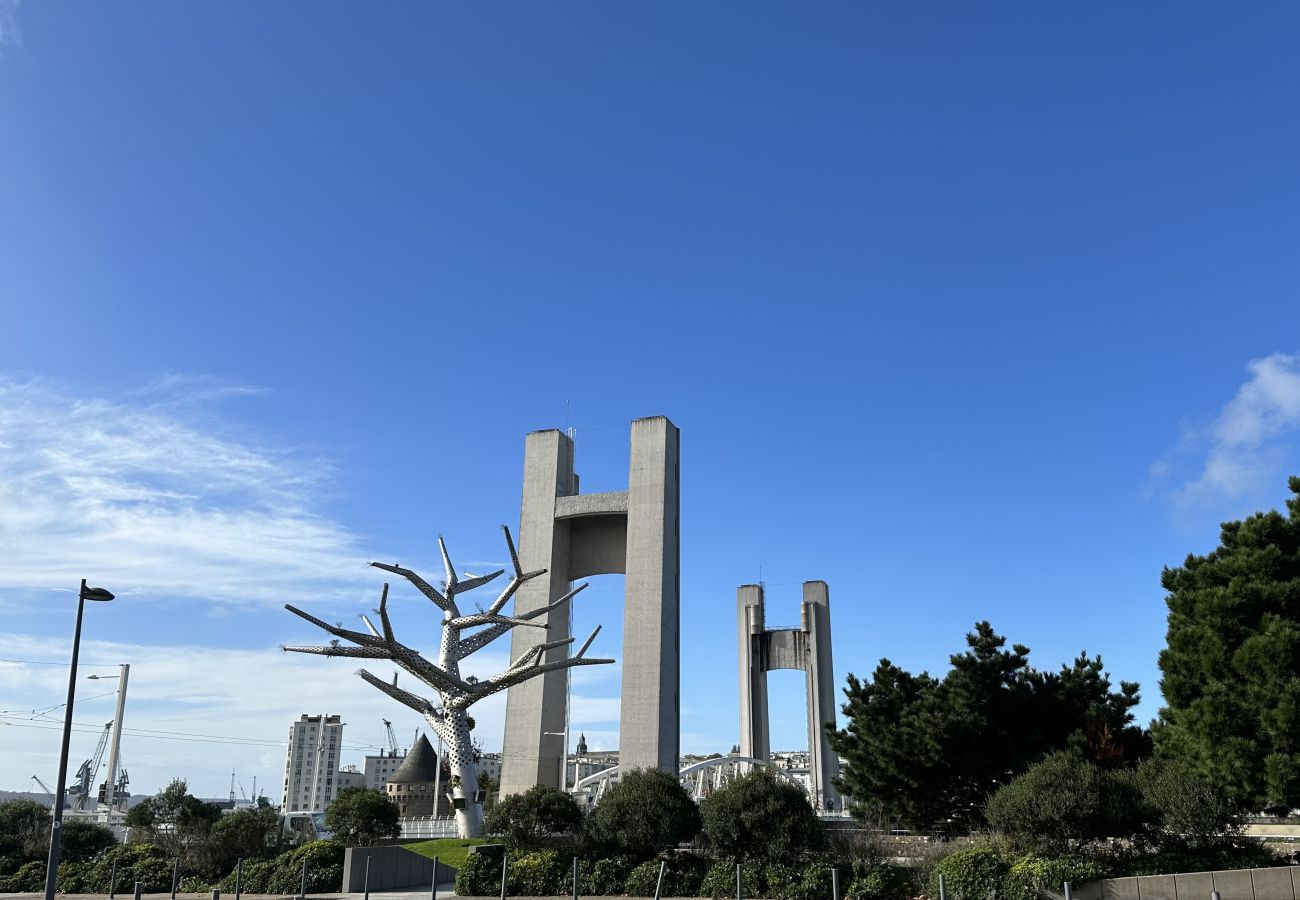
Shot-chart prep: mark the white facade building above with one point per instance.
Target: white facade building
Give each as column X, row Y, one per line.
column 382, row 767
column 312, row 763
column 490, row 764
column 348, row 776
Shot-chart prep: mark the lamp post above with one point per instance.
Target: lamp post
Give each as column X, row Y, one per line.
column 564, row 758
column 52, row 867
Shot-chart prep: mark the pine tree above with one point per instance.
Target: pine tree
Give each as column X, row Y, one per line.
column 1232, row 661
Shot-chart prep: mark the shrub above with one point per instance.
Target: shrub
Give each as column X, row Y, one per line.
column 480, row 876
column 720, row 880
column 879, row 882
column 531, row 819
column 1185, row 809
column 642, row 879
column 760, row 816
column 684, row 875
column 538, row 873
column 1030, row 874
column 970, row 874
column 29, row 879
column 645, row 813
column 130, row 858
column 1227, row 854
column 83, row 840
column 605, row 876
column 811, row 881
column 324, row 868
column 1062, row 804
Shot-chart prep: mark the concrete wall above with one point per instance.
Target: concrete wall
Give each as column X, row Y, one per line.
column 1280, row 883
column 390, row 868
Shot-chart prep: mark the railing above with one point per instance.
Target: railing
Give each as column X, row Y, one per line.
column 428, row 827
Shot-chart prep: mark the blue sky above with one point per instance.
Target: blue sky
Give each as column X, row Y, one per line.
column 972, row 312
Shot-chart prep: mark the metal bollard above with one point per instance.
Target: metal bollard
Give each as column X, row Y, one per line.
column 835, row 884
column 505, row 860
column 365, row 888
column 739, row 894
column 433, row 892
column 1069, row 890
column 943, row 888
column 302, row 891
column 239, row 878
column 575, row 878
column 1214, row 895
column 137, row 890
column 660, row 883
column 112, row 882
column 176, row 875
column 216, row 894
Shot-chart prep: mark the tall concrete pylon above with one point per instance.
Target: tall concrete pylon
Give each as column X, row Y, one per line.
column 808, row 648
column 574, row 535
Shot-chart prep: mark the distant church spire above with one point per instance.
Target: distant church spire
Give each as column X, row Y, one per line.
column 582, row 744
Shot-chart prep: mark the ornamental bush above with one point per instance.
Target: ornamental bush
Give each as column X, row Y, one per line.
column 29, row 879
column 537, row 873
column 879, row 882
column 645, row 813
column 1030, row 874
column 811, row 881
column 720, row 880
column 605, row 876
column 480, row 876
column 761, row 816
column 971, row 874
column 535, row 818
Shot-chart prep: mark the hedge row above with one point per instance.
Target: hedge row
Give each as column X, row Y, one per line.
column 153, row 868
column 547, row 873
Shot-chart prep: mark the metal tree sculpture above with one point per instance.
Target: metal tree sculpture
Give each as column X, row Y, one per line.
column 448, row 716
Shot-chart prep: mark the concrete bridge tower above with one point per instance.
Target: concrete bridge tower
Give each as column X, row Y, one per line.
column 807, row 647
column 573, row 536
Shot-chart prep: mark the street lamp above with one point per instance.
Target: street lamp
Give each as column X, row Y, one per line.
column 110, row 795
column 564, row 759
column 52, row 867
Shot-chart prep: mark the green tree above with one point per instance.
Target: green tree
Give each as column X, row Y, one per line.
column 927, row 752
column 529, row 819
column 361, row 817
column 24, row 833
column 177, row 822
column 252, row 833
column 1231, row 666
column 646, row 812
column 491, row 787
column 761, row 816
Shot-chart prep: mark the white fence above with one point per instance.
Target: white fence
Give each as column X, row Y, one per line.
column 428, row 827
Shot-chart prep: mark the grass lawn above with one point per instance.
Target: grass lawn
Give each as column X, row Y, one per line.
column 450, row 851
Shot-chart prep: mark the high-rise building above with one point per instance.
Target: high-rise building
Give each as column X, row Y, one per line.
column 315, row 743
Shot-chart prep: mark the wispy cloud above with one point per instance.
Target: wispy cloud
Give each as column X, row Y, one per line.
column 130, row 490
column 10, row 34
column 1244, row 450
column 197, row 721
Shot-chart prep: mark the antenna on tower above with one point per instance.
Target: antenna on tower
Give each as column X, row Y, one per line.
column 232, row 786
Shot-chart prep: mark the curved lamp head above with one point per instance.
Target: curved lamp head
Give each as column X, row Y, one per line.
column 96, row 594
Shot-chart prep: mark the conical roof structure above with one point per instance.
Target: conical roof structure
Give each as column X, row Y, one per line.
column 420, row 765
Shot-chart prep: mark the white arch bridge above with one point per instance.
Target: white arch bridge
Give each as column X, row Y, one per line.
column 699, row 779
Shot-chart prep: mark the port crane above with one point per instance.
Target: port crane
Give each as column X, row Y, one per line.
column 85, row 776
column 45, row 787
